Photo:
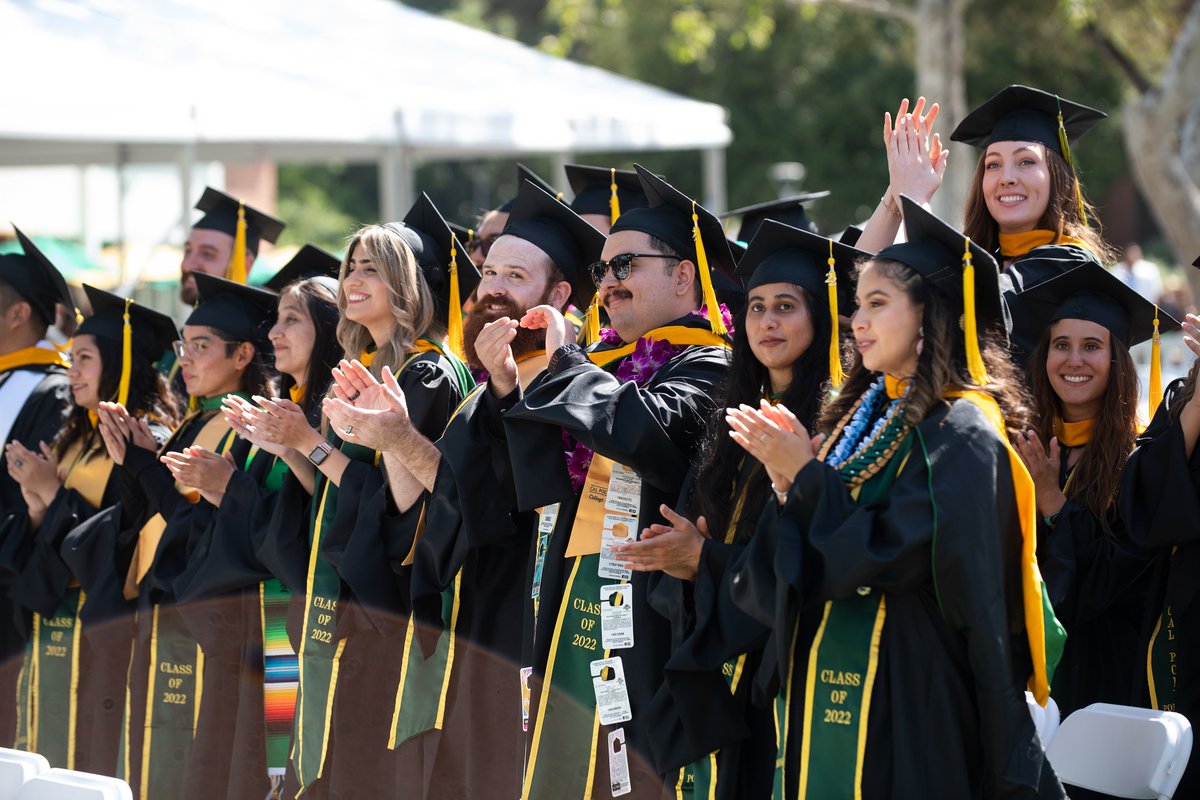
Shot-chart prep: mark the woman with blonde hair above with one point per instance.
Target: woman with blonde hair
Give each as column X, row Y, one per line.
column 349, row 656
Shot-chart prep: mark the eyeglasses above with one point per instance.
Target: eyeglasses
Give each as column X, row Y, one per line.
column 484, row 246
column 621, row 265
column 193, row 349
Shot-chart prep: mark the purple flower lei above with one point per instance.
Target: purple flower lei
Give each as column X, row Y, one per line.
column 641, row 366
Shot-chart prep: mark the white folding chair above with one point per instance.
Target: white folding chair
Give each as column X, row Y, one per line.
column 66, row 784
column 1122, row 751
column 17, row 767
column 1044, row 719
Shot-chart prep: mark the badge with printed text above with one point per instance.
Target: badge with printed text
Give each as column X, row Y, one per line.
column 618, row 530
column 616, row 616
column 618, row 764
column 612, row 695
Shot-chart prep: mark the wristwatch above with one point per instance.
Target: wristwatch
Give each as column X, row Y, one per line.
column 570, row 347
column 320, row 453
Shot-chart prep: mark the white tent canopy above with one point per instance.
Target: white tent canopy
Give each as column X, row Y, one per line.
column 129, row 81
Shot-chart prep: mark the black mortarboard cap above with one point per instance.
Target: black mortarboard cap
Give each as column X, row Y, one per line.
column 669, row 217
column 851, row 235
column 572, row 244
column 524, row 173
column 1094, row 294
column 243, row 312
column 781, row 253
column 310, row 261
column 35, row 278
column 221, row 214
column 1023, row 114
column 433, row 251
column 788, row 210
column 934, row 249
column 152, row 331
column 593, row 189
column 737, row 249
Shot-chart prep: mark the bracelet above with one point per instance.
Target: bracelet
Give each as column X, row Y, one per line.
column 780, row 497
column 1050, row 520
column 891, row 207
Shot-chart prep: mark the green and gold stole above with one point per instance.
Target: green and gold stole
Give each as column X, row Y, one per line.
column 50, row 672
column 567, row 726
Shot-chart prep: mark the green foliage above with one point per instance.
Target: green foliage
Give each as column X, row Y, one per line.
column 324, row 203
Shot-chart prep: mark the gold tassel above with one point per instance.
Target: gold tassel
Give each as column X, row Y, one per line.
column 591, row 321
column 710, row 295
column 614, row 205
column 975, row 365
column 454, row 327
column 79, row 316
column 836, row 375
column 559, row 197
column 1066, row 148
column 237, row 261
column 1156, row 390
column 126, row 357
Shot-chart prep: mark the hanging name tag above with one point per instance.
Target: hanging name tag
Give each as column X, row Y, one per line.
column 617, row 531
column 547, row 517
column 618, row 764
column 525, row 673
column 612, row 696
column 624, row 491
column 616, row 616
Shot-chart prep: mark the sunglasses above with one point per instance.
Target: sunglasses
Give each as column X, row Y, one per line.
column 484, row 246
column 621, row 265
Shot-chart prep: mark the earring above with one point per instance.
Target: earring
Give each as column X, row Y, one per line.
column 921, row 340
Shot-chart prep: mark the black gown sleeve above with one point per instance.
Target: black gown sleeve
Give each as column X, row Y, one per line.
column 281, row 545
column 39, row 420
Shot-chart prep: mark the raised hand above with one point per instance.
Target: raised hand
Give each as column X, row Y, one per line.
column 201, row 469
column 493, row 348
column 1044, row 465
column 916, row 160
column 673, row 549
column 281, row 422
column 774, row 436
column 233, row 409
column 380, row 423
column 550, row 318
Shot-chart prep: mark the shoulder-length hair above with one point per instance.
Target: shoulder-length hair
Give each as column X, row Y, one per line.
column 409, row 299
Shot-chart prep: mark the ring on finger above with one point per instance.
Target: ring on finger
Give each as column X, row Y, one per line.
column 355, row 396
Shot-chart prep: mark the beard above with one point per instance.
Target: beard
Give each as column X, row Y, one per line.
column 527, row 339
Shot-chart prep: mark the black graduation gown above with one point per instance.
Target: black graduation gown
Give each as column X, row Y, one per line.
column 367, row 551
column 218, row 596
column 654, row 431
column 473, row 532
column 953, row 655
column 716, row 653
column 1160, row 506
column 157, row 600
column 39, row 420
column 1098, row 583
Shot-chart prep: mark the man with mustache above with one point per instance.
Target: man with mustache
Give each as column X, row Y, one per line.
column 209, row 245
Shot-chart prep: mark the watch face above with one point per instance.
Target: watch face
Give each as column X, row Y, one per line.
column 319, row 453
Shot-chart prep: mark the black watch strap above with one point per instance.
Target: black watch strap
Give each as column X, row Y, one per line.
column 570, row 347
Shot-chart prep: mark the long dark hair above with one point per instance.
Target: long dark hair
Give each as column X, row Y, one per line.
column 149, row 396
column 942, row 363
column 1184, row 393
column 1061, row 216
column 320, row 300
column 1097, row 475
column 747, row 381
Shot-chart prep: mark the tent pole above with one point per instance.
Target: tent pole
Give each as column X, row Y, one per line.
column 397, row 181
column 122, row 191
column 713, row 167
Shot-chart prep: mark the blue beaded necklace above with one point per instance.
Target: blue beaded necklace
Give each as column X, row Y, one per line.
column 868, row 435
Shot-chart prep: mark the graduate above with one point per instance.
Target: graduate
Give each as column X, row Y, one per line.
column 1160, row 506
column 246, row 607
column 461, row 695
column 909, row 528
column 78, row 654
column 349, row 661
column 225, row 240
column 34, row 395
column 786, row 347
column 788, row 210
column 621, row 420
column 1085, row 403
column 166, row 723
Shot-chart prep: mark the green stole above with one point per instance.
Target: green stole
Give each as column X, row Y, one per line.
column 842, row 661
column 425, row 682
column 320, row 650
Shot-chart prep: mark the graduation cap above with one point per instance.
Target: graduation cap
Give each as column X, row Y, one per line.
column 1092, row 293
column 570, row 242
column 443, row 260
column 237, row 309
column 524, row 173
column 957, row 267
column 604, row 190
column 248, row 226
column 309, row 262
column 141, row 331
column 1023, row 114
column 782, row 254
column 788, row 210
column 851, row 235
column 35, row 278
column 688, row 228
